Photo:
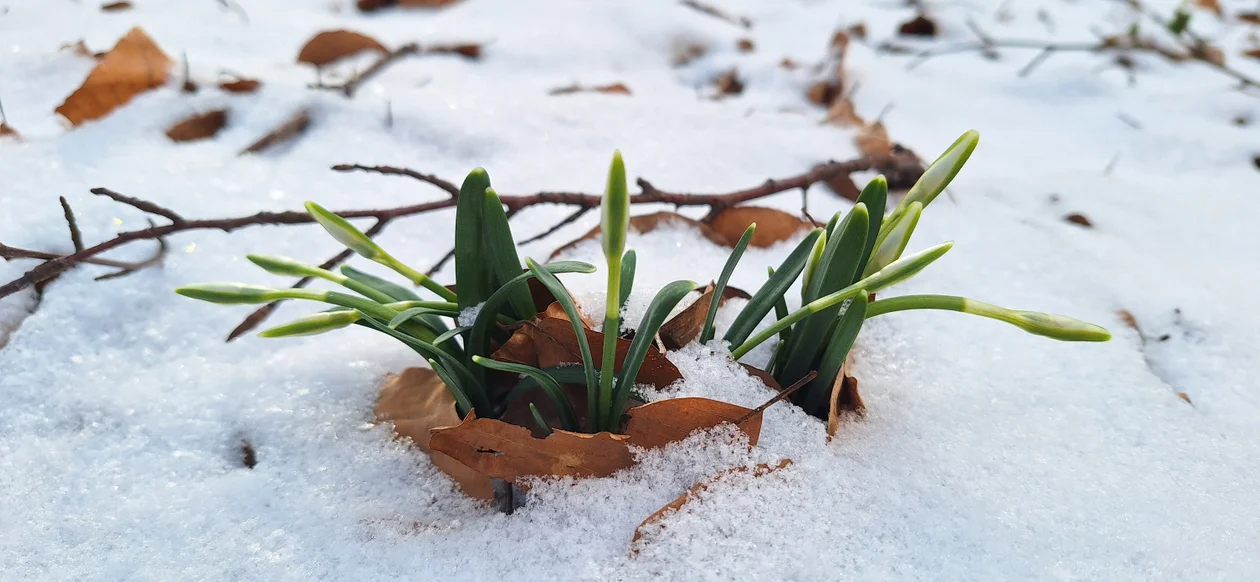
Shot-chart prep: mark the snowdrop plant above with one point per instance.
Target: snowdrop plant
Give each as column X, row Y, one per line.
column 607, row 390
column 490, row 283
column 843, row 265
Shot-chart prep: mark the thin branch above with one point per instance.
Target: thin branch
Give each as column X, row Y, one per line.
column 570, row 219
column 741, row 21
column 9, row 253
column 138, row 204
column 649, row 194
column 381, row 64
column 797, row 385
column 449, row 187
column 76, row 237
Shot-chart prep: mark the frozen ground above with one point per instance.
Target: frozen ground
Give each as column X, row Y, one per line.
column 986, row 453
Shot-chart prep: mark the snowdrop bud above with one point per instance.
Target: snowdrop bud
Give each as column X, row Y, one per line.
column 313, row 324
column 231, row 293
column 345, row 233
column 616, row 211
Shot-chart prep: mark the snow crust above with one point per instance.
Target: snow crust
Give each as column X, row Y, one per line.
column 986, row 453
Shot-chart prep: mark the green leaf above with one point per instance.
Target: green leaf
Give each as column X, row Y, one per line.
column 563, row 374
column 1060, row 327
column 500, row 252
column 875, row 197
column 838, row 269
column 899, row 271
column 450, row 334
column 473, row 270
column 478, row 340
column 938, row 175
column 453, row 372
column 785, row 335
column 1180, row 21
column 627, row 277
column 664, row 302
column 291, row 267
column 542, row 424
column 707, row 332
column 893, row 243
column 584, row 347
column 313, row 324
column 774, row 289
column 393, row 290
column 462, row 402
column 816, row 393
column 815, row 257
column 409, row 314
column 551, row 388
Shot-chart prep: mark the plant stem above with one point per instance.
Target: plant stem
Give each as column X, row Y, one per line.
column 612, row 328
column 1058, row 327
column 421, row 279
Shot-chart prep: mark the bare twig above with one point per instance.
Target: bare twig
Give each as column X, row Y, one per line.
column 76, row 237
column 465, row 49
column 9, row 253
column 797, row 385
column 741, row 21
column 570, row 219
column 138, row 204
column 286, row 131
column 449, row 187
column 649, row 194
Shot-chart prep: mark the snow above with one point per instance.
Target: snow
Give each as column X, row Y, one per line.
column 469, row 315
column 986, row 453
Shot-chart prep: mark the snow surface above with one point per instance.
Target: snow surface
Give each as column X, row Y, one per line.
column 986, row 454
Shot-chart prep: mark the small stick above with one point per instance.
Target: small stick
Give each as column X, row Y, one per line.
column 76, row 237
column 570, row 219
column 138, row 204
column 797, row 385
column 386, row 60
column 713, row 11
column 449, row 187
column 286, row 131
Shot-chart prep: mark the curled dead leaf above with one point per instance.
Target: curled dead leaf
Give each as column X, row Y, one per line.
column 7, row 131
column 116, row 6
column 921, row 25
column 547, row 342
column 416, row 402
column 133, row 66
column 646, row 223
column 660, row 423
column 198, row 126
column 761, row 470
column 773, row 226
column 241, row 85
column 745, row 45
column 843, row 186
column 845, row 401
column 686, row 326
column 872, row 140
column 333, row 45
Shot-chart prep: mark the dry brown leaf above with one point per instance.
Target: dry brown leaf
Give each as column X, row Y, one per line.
column 116, row 6
column 843, row 186
column 764, row 376
column 464, row 49
column 681, row 329
column 839, row 43
column 1185, row 397
column 823, row 93
column 7, row 131
column 659, row 423
column 773, row 225
column 198, row 126
column 241, row 85
column 611, row 88
column 556, row 345
column 1129, row 320
column 872, row 140
column 760, row 470
column 845, row 401
column 728, row 84
column 1208, row 53
column 1253, row 53
column 333, row 45
column 858, row 31
column 1213, row 6
column 1249, row 17
column 646, row 223
column 286, row 131
column 417, row 402
column 842, row 113
column 1079, row 219
column 745, row 45
column 920, row 26
column 788, row 64
column 504, row 451
column 133, row 66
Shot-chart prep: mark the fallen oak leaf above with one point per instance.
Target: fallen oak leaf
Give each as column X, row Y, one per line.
column 133, row 66
column 872, row 140
column 416, row 402
column 761, row 470
column 198, row 126
column 333, row 45
column 505, row 451
column 660, row 423
column 773, row 226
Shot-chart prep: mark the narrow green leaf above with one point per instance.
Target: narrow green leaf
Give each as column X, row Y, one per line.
column 838, row 269
column 1060, row 327
column 313, row 324
column 893, row 243
column 393, row 290
column 542, row 424
column 816, row 393
column 664, row 302
column 454, row 373
column 707, row 332
column 286, row 266
column 462, row 403
column 815, row 257
column 409, row 314
column 478, row 339
column 450, row 334
column 774, row 289
column 472, row 269
column 784, row 347
column 875, row 197
column 627, row 277
column 899, row 271
column 584, row 347
column 565, row 374
column 500, row 253
column 551, row 388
